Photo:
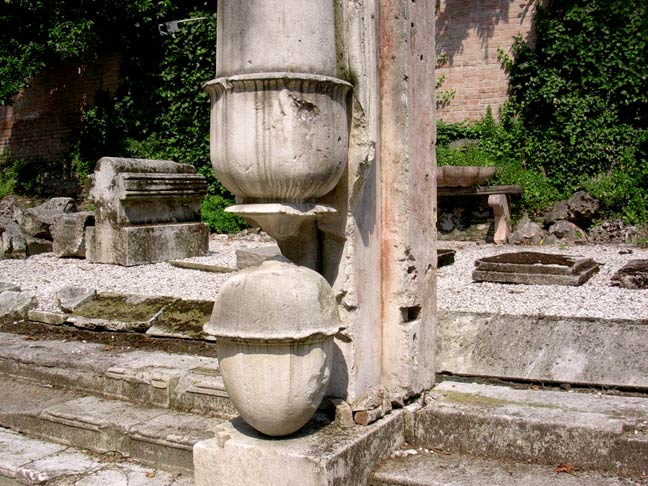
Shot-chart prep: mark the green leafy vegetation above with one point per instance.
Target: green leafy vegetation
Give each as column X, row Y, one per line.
column 159, row 110
column 577, row 117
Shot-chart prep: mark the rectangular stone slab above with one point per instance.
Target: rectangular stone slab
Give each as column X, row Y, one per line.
column 533, row 268
column 534, row 262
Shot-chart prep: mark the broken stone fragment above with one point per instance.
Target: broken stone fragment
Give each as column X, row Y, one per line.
column 36, row 246
column 567, row 231
column 36, row 221
column 71, row 298
column 14, row 306
column 633, row 275
column 13, row 241
column 68, row 234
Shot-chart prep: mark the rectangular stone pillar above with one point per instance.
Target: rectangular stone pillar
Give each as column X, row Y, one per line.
column 380, row 253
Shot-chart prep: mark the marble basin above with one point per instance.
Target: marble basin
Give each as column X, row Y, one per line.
column 463, row 176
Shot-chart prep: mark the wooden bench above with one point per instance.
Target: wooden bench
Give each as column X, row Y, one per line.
column 498, row 199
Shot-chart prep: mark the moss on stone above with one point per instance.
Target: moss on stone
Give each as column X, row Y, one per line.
column 125, row 308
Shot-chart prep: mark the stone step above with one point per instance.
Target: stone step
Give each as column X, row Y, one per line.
column 181, row 382
column 591, row 431
column 433, row 469
column 28, row 461
column 154, row 436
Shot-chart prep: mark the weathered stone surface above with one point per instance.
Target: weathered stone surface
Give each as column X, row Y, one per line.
column 434, row 469
column 10, row 210
column 13, row 241
column 527, row 233
column 534, row 268
column 323, row 455
column 147, row 211
column 70, row 298
column 613, row 231
column 558, row 212
column 590, row 431
column 183, row 319
column 101, row 425
column 68, row 234
column 545, row 349
column 55, row 318
column 178, row 381
column 31, row 461
column 567, row 231
column 36, row 246
column 15, row 305
column 250, row 257
column 36, row 221
column 633, row 275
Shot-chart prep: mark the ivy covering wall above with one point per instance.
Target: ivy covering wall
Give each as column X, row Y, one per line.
column 577, row 117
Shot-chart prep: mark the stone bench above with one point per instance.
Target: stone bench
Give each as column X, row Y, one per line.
column 498, row 199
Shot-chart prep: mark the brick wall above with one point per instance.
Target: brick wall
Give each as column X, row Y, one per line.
column 469, row 33
column 45, row 116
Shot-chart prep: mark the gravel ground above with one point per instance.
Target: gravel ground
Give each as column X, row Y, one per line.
column 45, row 274
column 456, row 290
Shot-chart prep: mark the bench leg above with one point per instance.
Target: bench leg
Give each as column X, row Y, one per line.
column 502, row 212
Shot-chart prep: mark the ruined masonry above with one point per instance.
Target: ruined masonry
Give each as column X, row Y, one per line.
column 147, row 211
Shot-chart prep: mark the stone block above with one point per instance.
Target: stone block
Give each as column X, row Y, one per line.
column 15, row 305
column 320, row 455
column 138, row 245
column 54, row 318
column 147, row 211
column 68, row 234
column 545, row 349
column 250, row 257
column 36, row 221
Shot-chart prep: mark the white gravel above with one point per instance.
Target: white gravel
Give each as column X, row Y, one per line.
column 45, row 274
column 457, row 291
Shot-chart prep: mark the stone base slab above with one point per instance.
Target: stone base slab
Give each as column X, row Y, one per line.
column 137, row 245
column 319, row 455
column 582, row 351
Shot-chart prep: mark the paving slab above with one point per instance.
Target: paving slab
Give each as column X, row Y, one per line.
column 599, row 432
column 582, row 351
column 177, row 381
column 154, row 436
column 433, row 469
column 28, row 461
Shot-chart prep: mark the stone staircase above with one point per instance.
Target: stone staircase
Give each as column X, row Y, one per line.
column 131, row 412
column 89, row 413
column 476, row 434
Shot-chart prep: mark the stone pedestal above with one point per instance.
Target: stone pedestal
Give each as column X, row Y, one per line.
column 321, row 455
column 147, row 211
